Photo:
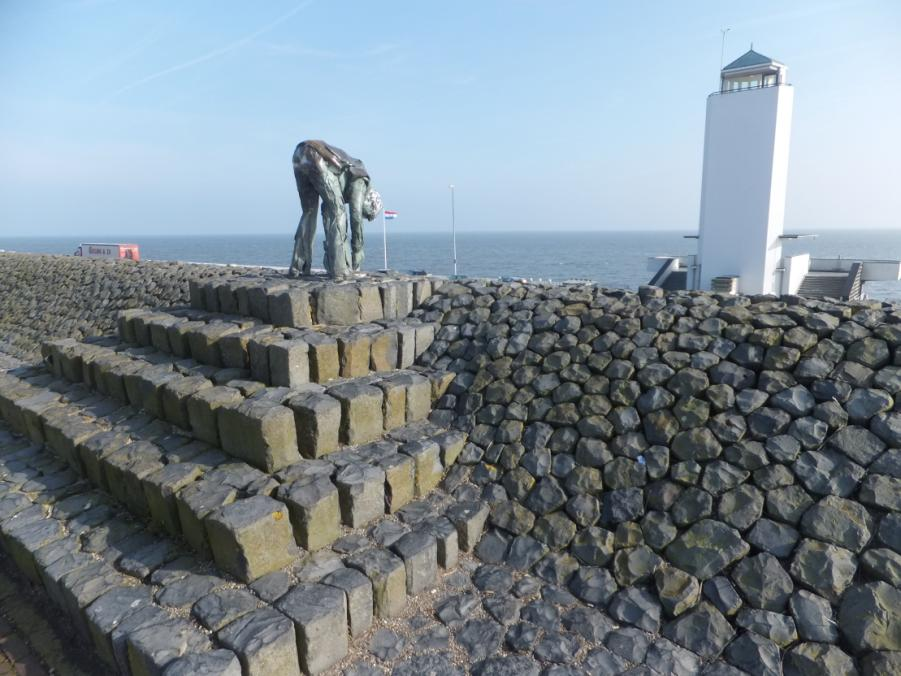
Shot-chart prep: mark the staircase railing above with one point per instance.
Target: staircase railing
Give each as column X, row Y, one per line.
column 853, row 283
column 665, row 270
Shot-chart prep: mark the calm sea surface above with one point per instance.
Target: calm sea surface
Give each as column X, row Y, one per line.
column 616, row 259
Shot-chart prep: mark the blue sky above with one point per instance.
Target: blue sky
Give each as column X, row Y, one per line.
column 167, row 117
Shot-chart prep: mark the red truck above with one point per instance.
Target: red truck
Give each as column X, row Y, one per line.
column 127, row 251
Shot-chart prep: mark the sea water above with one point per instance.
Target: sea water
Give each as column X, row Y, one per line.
column 611, row 258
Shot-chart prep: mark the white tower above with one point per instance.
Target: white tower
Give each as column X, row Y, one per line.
column 746, row 143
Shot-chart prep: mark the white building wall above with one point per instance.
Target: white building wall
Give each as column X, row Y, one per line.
column 796, row 268
column 746, row 142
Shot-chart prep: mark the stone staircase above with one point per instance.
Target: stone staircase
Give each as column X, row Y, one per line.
column 276, row 428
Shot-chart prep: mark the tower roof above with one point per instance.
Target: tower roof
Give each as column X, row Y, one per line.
column 751, row 59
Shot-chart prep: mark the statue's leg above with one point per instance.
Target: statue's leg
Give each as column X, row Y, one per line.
column 337, row 256
column 302, row 259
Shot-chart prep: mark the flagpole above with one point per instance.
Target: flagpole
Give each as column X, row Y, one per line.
column 454, row 228
column 385, row 239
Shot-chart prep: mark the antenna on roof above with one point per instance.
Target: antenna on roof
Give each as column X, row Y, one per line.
column 752, row 46
column 723, row 45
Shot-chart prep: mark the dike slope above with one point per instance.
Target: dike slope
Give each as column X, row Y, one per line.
column 44, row 297
column 724, row 471
column 697, row 483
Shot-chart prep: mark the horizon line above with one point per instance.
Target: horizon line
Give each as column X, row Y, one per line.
column 406, row 231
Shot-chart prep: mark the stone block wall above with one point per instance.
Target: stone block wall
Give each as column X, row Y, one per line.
column 722, row 471
column 44, row 297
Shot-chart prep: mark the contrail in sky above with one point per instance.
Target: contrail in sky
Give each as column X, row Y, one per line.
column 210, row 55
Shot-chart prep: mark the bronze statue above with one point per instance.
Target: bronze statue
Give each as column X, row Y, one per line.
column 324, row 171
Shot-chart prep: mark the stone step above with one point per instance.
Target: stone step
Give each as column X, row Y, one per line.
column 277, row 355
column 148, row 607
column 300, row 303
column 270, row 428
column 178, row 483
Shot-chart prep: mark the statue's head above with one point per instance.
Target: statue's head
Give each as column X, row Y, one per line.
column 372, row 204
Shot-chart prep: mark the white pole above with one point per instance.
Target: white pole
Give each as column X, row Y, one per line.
column 385, row 240
column 454, row 228
column 723, row 52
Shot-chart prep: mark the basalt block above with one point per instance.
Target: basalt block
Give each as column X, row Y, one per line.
column 289, row 363
column 707, row 548
column 361, row 412
column 323, row 355
column 258, row 352
column 218, row 662
column 291, row 307
column 315, row 511
column 32, row 408
column 337, row 304
column 92, row 451
column 388, row 576
column 227, row 298
column 370, row 303
column 318, row 421
column 202, row 411
column 152, row 648
column 406, row 344
column 83, row 586
column 66, row 433
column 446, row 538
column 394, row 403
column 195, row 502
column 145, row 389
column 125, row 324
column 358, row 593
column 22, row 539
column 383, row 351
column 179, row 340
column 114, row 379
column 125, row 469
column 400, row 480
column 425, row 336
column 259, row 296
column 319, row 613
column 108, row 611
column 265, row 642
column 451, row 443
column 160, row 489
column 159, row 332
column 252, row 537
column 234, row 346
column 419, row 395
column 354, row 353
column 469, row 517
column 221, row 607
column 176, row 393
column 426, row 455
column 419, row 551
column 261, row 432
column 204, row 342
column 53, row 573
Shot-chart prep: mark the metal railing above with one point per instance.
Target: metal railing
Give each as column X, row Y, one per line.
column 665, row 270
column 747, row 89
column 853, row 285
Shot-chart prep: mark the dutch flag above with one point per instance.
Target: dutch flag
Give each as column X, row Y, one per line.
column 390, row 215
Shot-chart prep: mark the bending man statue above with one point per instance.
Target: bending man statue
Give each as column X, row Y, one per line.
column 327, row 172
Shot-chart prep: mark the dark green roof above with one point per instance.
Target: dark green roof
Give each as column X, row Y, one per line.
column 750, row 59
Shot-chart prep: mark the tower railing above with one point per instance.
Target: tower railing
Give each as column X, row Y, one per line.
column 747, row 89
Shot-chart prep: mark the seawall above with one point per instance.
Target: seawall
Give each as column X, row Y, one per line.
column 44, row 297
column 688, row 482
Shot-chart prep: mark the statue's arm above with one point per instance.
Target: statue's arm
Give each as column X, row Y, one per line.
column 357, row 194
